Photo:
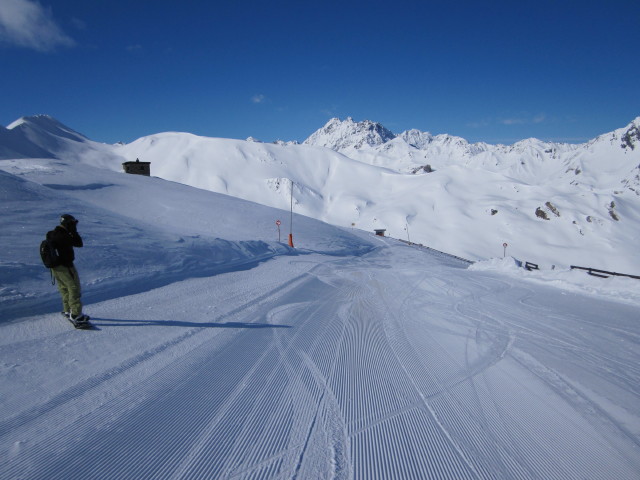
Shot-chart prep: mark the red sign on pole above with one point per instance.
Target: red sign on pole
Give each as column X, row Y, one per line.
column 278, row 222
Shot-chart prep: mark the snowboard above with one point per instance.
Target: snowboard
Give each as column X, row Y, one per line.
column 82, row 324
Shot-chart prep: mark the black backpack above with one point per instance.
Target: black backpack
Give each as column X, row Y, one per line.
column 49, row 253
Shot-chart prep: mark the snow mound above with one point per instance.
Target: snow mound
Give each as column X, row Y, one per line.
column 616, row 288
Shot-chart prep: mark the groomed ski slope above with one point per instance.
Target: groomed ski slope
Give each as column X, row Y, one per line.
column 221, row 353
column 399, row 363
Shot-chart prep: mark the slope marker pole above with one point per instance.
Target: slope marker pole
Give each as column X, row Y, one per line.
column 291, row 221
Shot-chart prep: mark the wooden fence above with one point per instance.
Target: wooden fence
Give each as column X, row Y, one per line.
column 603, row 273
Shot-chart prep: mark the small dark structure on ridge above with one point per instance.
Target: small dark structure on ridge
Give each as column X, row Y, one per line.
column 137, row 168
column 380, row 231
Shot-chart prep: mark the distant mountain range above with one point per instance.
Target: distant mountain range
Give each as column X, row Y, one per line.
column 412, row 151
column 552, row 203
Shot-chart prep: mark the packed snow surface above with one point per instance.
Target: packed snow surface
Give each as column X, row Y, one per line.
column 219, row 352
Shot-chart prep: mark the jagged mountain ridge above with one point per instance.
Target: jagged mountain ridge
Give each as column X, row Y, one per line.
column 412, row 151
column 343, row 135
column 553, row 203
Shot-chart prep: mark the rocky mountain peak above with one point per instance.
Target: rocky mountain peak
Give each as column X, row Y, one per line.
column 339, row 135
column 416, row 138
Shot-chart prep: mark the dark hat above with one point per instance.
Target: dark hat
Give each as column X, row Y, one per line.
column 66, row 219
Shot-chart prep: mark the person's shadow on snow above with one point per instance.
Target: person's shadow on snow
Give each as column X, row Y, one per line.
column 107, row 322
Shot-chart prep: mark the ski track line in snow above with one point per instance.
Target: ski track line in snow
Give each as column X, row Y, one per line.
column 556, row 342
column 386, row 410
column 573, row 395
column 448, row 447
column 189, row 461
column 282, row 367
column 516, row 326
column 308, row 318
column 321, row 313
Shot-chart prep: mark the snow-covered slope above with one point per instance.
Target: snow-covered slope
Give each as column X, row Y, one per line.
column 553, row 204
column 140, row 232
column 13, row 144
column 219, row 352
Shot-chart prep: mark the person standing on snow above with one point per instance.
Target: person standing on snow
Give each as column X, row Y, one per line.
column 64, row 237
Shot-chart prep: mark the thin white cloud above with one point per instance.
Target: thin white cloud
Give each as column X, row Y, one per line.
column 513, row 121
column 479, row 124
column 541, row 117
column 79, row 24
column 258, row 98
column 330, row 111
column 28, row 24
column 524, row 120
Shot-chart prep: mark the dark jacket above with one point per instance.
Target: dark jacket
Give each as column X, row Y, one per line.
column 64, row 241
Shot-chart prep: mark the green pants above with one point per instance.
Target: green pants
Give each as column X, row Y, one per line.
column 69, row 286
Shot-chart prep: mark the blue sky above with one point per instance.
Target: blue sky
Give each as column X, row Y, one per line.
column 494, row 71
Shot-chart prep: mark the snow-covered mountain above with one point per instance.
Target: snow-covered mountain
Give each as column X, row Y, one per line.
column 553, row 204
column 220, row 353
column 13, row 144
column 411, row 150
column 348, row 135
